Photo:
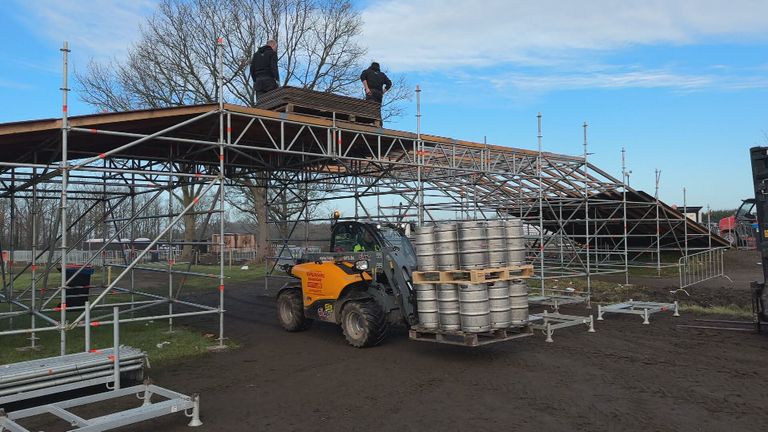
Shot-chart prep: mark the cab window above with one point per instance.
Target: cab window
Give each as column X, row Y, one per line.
column 344, row 239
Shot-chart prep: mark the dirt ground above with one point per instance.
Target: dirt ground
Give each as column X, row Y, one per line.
column 625, row 377
column 741, row 267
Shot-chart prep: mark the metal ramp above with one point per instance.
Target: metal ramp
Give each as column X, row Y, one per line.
column 174, row 403
column 25, row 381
column 549, row 322
column 644, row 309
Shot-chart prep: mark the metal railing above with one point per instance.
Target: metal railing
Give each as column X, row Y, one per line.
column 701, row 266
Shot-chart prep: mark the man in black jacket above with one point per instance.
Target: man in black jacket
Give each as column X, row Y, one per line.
column 373, row 80
column 264, row 69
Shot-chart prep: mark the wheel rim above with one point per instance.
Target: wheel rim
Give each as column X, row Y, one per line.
column 730, row 238
column 355, row 326
column 286, row 314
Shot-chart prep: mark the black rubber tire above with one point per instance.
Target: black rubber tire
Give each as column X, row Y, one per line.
column 290, row 311
column 364, row 323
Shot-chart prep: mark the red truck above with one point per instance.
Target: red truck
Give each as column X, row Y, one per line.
column 739, row 228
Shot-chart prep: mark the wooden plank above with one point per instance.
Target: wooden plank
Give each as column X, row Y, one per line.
column 473, row 275
column 104, row 118
column 320, row 103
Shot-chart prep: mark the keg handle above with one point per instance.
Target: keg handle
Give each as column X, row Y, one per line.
column 458, row 247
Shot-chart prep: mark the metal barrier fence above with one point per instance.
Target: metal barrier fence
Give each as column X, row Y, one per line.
column 117, row 257
column 701, row 266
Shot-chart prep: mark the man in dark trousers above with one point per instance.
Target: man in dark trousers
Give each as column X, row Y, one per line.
column 264, row 69
column 375, row 83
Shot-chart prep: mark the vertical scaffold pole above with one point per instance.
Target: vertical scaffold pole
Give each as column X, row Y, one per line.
column 220, row 52
column 11, row 243
column 33, row 288
column 171, row 247
column 658, row 225
column 133, row 236
column 709, row 224
column 104, row 223
column 419, row 158
column 586, row 214
column 116, row 352
column 64, row 182
column 685, row 223
column 624, row 178
column 539, row 172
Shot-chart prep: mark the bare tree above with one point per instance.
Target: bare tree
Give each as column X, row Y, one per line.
column 284, row 206
column 174, row 61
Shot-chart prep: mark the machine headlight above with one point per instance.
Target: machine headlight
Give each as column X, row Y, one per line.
column 361, row 265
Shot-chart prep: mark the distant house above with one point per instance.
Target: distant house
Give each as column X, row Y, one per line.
column 236, row 242
column 691, row 212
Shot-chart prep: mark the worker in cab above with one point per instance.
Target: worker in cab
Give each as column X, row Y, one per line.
column 365, row 243
column 375, row 83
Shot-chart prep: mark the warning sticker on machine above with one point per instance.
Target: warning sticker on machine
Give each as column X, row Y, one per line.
column 315, row 282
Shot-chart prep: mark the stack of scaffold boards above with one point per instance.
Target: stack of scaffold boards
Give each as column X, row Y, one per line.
column 470, row 286
column 25, row 382
column 21, row 384
column 35, row 378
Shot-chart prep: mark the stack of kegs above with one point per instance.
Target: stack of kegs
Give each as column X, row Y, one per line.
column 479, row 307
column 470, row 245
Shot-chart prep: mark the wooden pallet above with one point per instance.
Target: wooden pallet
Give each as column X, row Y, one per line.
column 468, row 339
column 474, row 275
column 322, row 104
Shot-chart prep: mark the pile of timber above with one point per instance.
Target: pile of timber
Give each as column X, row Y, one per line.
column 303, row 101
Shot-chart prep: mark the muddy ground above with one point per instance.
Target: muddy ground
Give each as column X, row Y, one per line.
column 625, row 377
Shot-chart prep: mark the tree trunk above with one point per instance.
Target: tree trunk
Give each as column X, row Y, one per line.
column 187, row 251
column 259, row 194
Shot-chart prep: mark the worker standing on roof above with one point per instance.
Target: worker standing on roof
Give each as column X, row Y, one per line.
column 375, row 83
column 264, row 69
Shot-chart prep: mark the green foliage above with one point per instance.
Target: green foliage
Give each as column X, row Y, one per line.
column 716, row 215
column 143, row 335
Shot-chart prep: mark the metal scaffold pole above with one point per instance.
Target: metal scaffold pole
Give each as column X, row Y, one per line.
column 419, row 158
column 222, row 209
column 132, row 189
column 64, row 178
column 33, row 288
column 624, row 180
column 11, row 242
column 586, row 214
column 685, row 222
column 709, row 229
column 171, row 247
column 658, row 224
column 539, row 173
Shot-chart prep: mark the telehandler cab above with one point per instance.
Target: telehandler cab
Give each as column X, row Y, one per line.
column 364, row 284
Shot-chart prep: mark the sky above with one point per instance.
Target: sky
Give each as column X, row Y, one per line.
column 681, row 85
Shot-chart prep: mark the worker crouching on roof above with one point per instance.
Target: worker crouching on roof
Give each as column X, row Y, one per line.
column 375, row 83
column 264, row 69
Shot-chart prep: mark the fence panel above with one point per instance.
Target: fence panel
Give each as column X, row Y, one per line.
column 701, row 266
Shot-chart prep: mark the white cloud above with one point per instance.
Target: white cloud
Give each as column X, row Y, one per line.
column 95, row 28
column 15, row 85
column 634, row 79
column 409, row 35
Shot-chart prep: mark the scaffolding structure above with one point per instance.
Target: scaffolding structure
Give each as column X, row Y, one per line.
column 580, row 221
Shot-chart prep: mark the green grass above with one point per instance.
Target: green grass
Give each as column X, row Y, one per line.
column 612, row 292
column 730, row 310
column 144, row 335
column 184, row 342
column 653, row 272
column 24, row 280
column 155, row 280
column 193, row 283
